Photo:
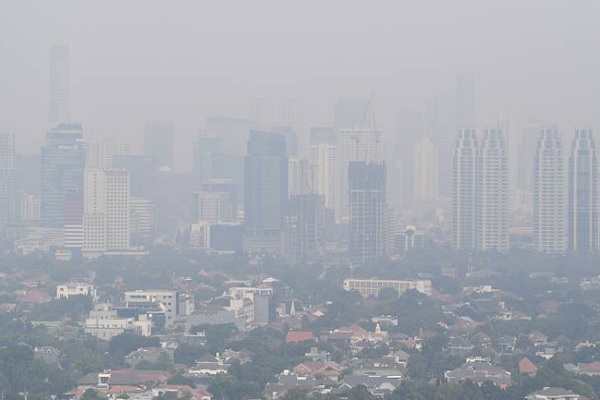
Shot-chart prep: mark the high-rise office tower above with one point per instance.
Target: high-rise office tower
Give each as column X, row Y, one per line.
column 548, row 194
column 323, row 164
column 364, row 145
column 63, row 163
column 158, row 143
column 298, row 176
column 208, row 151
column 100, row 154
column 229, row 187
column 426, row 171
column 212, row 207
column 7, row 181
column 304, row 226
column 142, row 218
column 492, row 192
column 266, row 183
column 367, row 204
column 106, row 220
column 582, row 214
column 464, row 191
column 401, row 171
column 59, row 85
column 465, row 101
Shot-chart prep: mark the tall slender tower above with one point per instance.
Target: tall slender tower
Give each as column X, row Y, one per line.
column 266, row 194
column 548, row 194
column 355, row 144
column 583, row 193
column 493, row 194
column 158, row 142
column 464, row 191
column 367, row 204
column 63, row 163
column 426, row 171
column 59, row 85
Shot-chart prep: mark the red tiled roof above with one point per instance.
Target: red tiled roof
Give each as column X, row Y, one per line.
column 299, row 336
column 526, row 366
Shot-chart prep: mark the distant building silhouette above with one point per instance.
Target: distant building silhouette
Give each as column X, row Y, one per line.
column 60, row 110
column 266, row 192
column 158, row 143
column 367, row 185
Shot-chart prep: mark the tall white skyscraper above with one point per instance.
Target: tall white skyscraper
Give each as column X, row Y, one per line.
column 583, row 235
column 426, row 172
column 106, row 221
column 324, row 172
column 355, row 144
column 100, row 154
column 548, row 194
column 464, row 191
column 492, row 188
column 60, row 106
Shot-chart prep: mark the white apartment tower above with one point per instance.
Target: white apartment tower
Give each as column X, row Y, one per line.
column 493, row 194
column 426, row 171
column 355, row 144
column 464, row 191
column 583, row 213
column 324, row 173
column 548, row 194
column 106, row 225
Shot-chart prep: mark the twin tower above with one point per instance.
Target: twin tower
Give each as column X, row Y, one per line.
column 565, row 216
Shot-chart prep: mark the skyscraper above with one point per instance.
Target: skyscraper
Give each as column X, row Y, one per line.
column 158, row 143
column 266, row 193
column 63, row 162
column 106, row 220
column 426, row 171
column 492, row 192
column 208, row 150
column 548, row 194
column 7, row 181
column 355, row 144
column 583, row 193
column 59, row 85
column 464, row 191
column 323, row 165
column 367, row 203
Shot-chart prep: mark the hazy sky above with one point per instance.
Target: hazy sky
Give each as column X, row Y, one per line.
column 133, row 61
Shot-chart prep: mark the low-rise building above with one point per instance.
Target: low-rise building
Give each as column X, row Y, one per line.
column 104, row 323
column 76, row 289
column 372, row 286
column 552, row 393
